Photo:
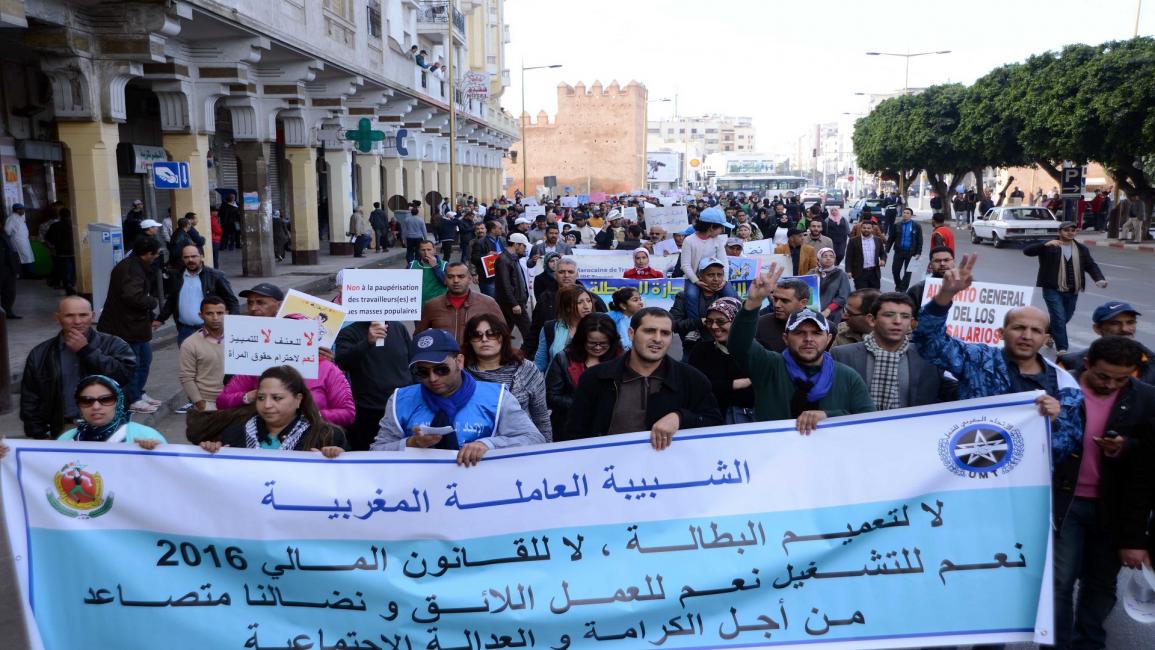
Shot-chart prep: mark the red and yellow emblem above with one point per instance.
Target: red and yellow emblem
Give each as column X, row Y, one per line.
column 78, row 492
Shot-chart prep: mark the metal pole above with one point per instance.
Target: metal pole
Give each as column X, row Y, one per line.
column 524, row 144
column 1138, row 10
column 452, row 110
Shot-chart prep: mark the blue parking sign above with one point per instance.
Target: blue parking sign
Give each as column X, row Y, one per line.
column 170, row 175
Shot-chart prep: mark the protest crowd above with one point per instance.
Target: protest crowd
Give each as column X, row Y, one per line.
column 773, row 310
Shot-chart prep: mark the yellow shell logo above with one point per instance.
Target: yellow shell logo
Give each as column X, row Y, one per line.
column 78, row 493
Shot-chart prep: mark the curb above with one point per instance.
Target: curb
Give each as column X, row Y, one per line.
column 1143, row 248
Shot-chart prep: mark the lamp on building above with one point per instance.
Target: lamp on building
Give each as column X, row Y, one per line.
column 524, row 144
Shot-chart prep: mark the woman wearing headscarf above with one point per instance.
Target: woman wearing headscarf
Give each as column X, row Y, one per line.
column 104, row 416
column 546, row 281
column 833, row 286
column 624, row 303
column 836, row 228
column 731, row 386
column 287, row 419
column 642, row 269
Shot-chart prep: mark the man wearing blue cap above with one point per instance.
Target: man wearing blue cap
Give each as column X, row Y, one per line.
column 449, row 409
column 1114, row 318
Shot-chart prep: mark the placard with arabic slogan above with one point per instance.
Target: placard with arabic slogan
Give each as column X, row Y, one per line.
column 253, row 344
column 916, row 527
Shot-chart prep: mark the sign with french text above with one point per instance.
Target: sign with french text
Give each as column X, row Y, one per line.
column 670, row 219
column 593, row 263
column 655, row 293
column 381, row 294
column 976, row 315
column 732, row 540
column 254, row 344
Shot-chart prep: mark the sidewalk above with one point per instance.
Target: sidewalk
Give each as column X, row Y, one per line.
column 1088, row 237
column 37, row 303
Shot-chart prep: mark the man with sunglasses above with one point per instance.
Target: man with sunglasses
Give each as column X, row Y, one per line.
column 448, row 409
column 56, row 366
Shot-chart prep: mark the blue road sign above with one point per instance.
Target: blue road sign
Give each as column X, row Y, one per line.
column 170, row 175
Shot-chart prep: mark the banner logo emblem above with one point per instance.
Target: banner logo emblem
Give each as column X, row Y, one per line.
column 78, row 493
column 981, row 449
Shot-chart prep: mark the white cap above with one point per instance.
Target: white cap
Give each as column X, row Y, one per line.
column 518, row 238
column 1139, row 595
column 523, row 219
column 149, row 223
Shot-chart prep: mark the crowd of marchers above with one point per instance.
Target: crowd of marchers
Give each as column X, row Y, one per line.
column 461, row 379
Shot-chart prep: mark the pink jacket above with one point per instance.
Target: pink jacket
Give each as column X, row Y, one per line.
column 330, row 390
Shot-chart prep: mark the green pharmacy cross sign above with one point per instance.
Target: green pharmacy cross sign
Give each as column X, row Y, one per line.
column 364, row 135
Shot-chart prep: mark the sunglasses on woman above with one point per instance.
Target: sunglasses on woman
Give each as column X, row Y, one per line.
column 423, row 372
column 105, row 400
column 487, row 334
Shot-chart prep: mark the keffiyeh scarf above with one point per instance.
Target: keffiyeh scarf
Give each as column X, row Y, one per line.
column 257, row 433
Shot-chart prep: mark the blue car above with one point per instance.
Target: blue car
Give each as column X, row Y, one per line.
column 856, row 210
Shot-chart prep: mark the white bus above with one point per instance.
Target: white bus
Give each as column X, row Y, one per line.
column 750, row 173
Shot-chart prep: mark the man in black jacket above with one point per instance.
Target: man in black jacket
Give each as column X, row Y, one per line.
column 375, row 372
column 1102, row 495
column 892, row 368
column 56, row 366
column 128, row 314
column 905, row 241
column 643, row 389
column 512, row 293
column 200, row 281
column 1063, row 263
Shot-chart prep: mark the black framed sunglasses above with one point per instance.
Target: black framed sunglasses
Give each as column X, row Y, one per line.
column 105, row 400
column 487, row 334
column 423, row 372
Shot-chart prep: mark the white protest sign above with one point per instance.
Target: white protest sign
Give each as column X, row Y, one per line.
column 630, row 214
column 977, row 313
column 534, row 211
column 569, row 202
column 529, row 200
column 672, row 219
column 381, row 294
column 254, row 344
column 666, row 247
column 759, row 247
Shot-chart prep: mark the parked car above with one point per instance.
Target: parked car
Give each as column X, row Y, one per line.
column 1014, row 223
column 835, row 198
column 855, row 212
column 811, row 194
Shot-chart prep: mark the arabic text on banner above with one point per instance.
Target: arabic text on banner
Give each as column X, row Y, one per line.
column 655, row 293
column 254, row 344
column 381, row 294
column 977, row 313
column 916, row 527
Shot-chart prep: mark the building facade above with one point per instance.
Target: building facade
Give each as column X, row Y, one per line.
column 595, row 143
column 264, row 98
column 695, row 137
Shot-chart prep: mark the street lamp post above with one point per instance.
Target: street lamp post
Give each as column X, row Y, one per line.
column 524, row 144
column 906, row 91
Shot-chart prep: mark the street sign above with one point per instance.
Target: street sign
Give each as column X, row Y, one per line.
column 850, row 178
column 550, row 181
column 170, row 175
column 1072, row 185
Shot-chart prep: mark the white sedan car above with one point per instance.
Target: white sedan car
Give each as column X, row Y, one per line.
column 1014, row 223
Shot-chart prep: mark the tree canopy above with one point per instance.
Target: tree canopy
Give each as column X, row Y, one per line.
column 1083, row 103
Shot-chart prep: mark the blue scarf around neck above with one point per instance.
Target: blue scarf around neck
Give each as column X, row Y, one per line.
column 448, row 406
column 820, row 384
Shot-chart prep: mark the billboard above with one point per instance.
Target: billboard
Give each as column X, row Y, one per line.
column 663, row 167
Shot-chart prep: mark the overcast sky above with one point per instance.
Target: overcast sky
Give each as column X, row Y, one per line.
column 787, row 64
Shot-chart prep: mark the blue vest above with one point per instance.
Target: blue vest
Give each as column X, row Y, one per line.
column 478, row 419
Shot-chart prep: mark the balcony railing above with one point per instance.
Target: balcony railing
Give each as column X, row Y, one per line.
column 434, row 12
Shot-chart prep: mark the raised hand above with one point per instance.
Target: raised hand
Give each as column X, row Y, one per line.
column 763, row 285
column 957, row 279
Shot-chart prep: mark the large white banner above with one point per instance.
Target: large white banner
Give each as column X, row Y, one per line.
column 900, row 529
column 593, row 263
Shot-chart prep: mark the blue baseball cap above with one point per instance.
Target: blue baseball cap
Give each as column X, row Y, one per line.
column 432, row 346
column 17, row 206
column 1109, row 310
column 714, row 216
column 688, row 231
column 711, row 261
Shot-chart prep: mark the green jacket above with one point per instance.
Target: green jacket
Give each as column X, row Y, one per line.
column 432, row 279
column 772, row 385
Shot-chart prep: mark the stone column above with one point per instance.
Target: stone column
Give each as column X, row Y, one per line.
column 340, row 200
column 90, row 156
column 257, row 225
column 369, row 176
column 415, row 187
column 193, row 149
column 394, row 184
column 303, row 212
